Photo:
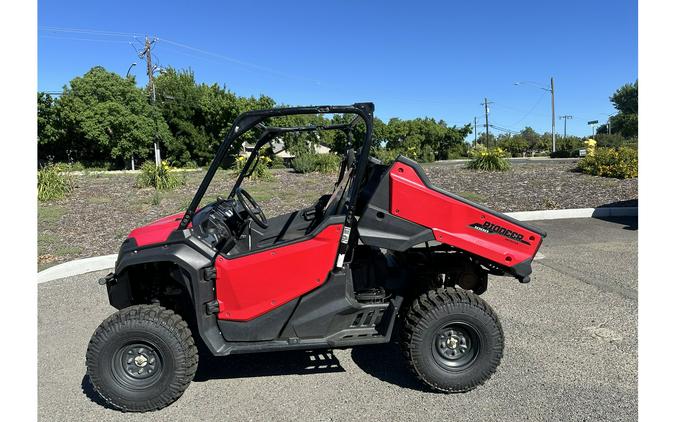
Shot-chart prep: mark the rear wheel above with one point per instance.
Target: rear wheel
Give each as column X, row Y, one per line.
column 142, row 358
column 452, row 340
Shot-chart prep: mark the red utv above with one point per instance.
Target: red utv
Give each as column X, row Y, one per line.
column 386, row 251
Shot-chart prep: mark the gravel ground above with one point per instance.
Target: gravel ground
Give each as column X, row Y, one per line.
column 570, row 353
column 104, row 208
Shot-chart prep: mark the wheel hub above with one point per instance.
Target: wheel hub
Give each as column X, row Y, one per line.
column 455, row 346
column 140, row 361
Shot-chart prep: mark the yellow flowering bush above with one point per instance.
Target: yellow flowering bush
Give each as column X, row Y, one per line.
column 488, row 159
column 590, row 146
column 261, row 171
column 161, row 178
column 621, row 163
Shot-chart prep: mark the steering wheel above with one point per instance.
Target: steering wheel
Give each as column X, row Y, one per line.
column 252, row 208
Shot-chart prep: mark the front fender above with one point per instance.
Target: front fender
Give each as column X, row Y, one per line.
column 193, row 261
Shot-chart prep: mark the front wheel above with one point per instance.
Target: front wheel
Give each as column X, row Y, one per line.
column 452, row 340
column 141, row 358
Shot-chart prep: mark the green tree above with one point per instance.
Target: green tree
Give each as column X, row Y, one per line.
column 106, row 117
column 531, row 137
column 625, row 122
column 487, row 140
column 515, row 145
column 50, row 131
column 199, row 115
column 180, row 101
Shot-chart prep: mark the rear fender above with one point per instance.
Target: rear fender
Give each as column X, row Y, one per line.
column 405, row 193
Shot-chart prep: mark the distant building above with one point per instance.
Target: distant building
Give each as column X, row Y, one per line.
column 279, row 149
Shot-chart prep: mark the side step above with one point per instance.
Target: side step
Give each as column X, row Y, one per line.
column 370, row 326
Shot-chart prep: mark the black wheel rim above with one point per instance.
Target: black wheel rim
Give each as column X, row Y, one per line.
column 455, row 346
column 137, row 365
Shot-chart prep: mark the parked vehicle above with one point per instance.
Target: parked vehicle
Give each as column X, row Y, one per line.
column 385, row 252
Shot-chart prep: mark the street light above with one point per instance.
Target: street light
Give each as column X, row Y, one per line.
column 552, row 91
column 129, row 70
column 609, row 122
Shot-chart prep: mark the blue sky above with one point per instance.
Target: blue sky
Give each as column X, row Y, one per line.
column 413, row 59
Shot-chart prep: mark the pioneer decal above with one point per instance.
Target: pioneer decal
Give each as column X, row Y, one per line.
column 491, row 228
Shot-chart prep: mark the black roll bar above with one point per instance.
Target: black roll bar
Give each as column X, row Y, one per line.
column 250, row 119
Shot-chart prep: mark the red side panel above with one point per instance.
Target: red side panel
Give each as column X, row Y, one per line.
column 251, row 285
column 457, row 223
column 157, row 231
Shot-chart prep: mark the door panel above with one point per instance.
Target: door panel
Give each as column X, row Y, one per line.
column 251, row 285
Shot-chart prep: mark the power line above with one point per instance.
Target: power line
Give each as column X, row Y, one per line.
column 88, row 31
column 236, row 61
column 503, row 129
column 177, row 44
column 530, row 110
column 82, row 39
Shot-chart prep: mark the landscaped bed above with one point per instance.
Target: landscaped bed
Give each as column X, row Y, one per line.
column 104, row 208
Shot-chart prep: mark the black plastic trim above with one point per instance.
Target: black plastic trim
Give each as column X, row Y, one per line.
column 263, row 328
column 188, row 257
column 378, row 228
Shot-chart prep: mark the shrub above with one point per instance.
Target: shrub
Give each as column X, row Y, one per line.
column 457, row 151
column 488, row 159
column 262, row 167
column 277, row 163
column 239, row 163
column 53, row 183
column 322, row 163
column 161, row 178
column 428, row 155
column 387, row 156
column 614, row 140
column 621, row 163
column 262, row 170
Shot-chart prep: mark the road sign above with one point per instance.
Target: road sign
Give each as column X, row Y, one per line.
column 593, row 122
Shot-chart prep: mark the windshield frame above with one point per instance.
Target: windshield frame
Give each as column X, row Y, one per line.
column 255, row 118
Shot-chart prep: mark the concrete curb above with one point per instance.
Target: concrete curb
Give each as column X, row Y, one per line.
column 76, row 267
column 575, row 213
column 97, row 263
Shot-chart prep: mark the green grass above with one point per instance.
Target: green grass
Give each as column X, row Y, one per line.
column 49, row 214
column 51, row 244
column 64, row 250
column 44, row 240
column 156, row 198
column 99, row 200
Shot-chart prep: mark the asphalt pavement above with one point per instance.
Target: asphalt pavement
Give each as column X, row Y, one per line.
column 571, row 352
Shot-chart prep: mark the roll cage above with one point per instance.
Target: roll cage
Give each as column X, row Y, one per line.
column 256, row 118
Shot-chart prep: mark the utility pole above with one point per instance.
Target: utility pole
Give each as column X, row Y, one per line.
column 475, row 131
column 553, row 115
column 565, row 118
column 487, row 126
column 609, row 125
column 147, row 53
